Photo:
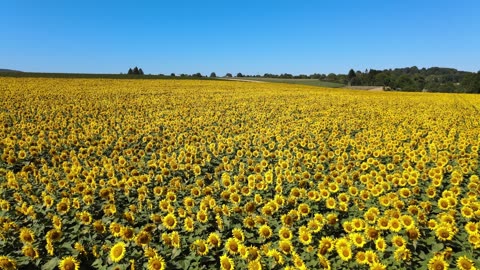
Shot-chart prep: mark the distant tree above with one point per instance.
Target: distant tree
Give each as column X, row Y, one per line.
column 239, row 75
column 351, row 76
column 198, row 75
column 136, row 71
column 213, row 75
column 172, row 74
column 140, row 71
column 382, row 79
column 130, row 71
column 331, row 77
column 405, row 83
column 229, row 75
column 471, row 83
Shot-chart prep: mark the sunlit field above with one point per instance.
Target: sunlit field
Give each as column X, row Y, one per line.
column 167, row 174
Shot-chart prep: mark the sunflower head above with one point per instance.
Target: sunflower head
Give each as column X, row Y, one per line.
column 69, row 263
column 170, row 221
column 117, row 252
column 226, row 263
column 156, row 263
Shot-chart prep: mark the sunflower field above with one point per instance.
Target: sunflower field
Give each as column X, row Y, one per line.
column 210, row 174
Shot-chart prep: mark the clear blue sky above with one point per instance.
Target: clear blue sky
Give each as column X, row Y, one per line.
column 252, row 37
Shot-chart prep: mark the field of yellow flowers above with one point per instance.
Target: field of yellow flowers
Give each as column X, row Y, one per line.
column 184, row 174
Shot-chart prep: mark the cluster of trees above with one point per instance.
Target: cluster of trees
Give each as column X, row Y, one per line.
column 135, row 71
column 433, row 79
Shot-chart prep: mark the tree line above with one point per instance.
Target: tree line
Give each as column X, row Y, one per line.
column 433, row 79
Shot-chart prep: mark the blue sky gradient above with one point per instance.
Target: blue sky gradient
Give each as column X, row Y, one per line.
column 252, row 37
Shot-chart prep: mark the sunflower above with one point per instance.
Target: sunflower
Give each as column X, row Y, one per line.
column 324, row 263
column 115, row 229
column 464, row 263
column 287, row 220
column 238, row 233
column 443, row 203
column 254, row 265
column 330, row 203
column 127, row 233
column 407, row 221
column 342, row 242
column 226, row 263
column 345, row 253
column 277, row 256
column 305, row 237
column 285, row 233
column 285, row 246
column 326, row 245
column 49, row 248
column 402, row 254
column 413, row 233
column 200, row 247
column 398, row 241
column 26, row 235
column 85, row 217
column 7, row 263
column 156, row 263
column 63, row 206
column 360, row 257
column 232, row 245
column 99, row 227
column 383, row 223
column 380, row 244
column 304, row 209
column 149, row 252
column 314, row 225
column 143, row 238
column 167, row 240
column 202, row 216
column 471, row 227
column 53, row 235
column 117, row 252
column 243, row 251
column 30, row 251
column 357, row 239
column 394, row 225
column 69, row 263
column 176, row 240
column 444, row 232
column 48, row 201
column 189, row 224
column 170, row 221
column 437, row 263
column 467, row 212
column 371, row 233
column 265, row 231
column 347, row 226
column 214, row 239
column 378, row 266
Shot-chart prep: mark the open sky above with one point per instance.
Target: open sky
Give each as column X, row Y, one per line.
column 252, row 37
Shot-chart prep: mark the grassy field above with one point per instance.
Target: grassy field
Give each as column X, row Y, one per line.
column 212, row 174
column 311, row 82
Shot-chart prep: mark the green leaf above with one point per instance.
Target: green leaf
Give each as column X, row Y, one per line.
column 51, row 264
column 175, row 253
column 437, row 247
column 97, row 263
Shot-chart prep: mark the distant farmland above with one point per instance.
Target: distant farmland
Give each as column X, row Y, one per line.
column 311, row 82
